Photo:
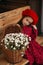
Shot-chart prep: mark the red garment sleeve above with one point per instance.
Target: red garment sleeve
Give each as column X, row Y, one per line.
column 34, row 35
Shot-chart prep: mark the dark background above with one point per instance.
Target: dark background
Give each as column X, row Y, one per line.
column 6, row 5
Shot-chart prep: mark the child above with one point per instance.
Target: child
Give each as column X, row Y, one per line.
column 35, row 52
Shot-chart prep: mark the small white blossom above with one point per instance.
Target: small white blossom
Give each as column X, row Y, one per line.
column 16, row 41
column 12, row 41
column 14, row 48
column 29, row 38
column 21, row 38
column 13, row 38
column 5, row 47
column 21, row 42
column 11, row 46
column 26, row 44
column 18, row 45
column 7, row 43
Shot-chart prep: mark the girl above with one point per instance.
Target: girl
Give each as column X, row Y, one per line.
column 35, row 52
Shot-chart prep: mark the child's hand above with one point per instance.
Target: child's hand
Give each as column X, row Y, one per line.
column 34, row 27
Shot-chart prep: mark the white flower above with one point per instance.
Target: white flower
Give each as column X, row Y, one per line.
column 21, row 34
column 21, row 38
column 7, row 43
column 12, row 41
column 14, row 34
column 12, row 38
column 14, row 48
column 16, row 44
column 5, row 47
column 11, row 46
column 16, row 40
column 26, row 43
column 23, row 47
column 29, row 38
column 21, row 42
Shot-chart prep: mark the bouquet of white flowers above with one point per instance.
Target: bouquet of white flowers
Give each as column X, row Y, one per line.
column 15, row 41
column 14, row 44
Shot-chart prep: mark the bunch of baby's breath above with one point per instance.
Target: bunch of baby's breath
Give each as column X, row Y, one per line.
column 15, row 41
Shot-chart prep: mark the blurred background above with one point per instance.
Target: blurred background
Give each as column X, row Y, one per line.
column 37, row 5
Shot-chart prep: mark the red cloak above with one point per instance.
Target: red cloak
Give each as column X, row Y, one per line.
column 35, row 52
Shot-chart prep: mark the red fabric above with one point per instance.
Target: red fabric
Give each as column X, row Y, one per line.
column 31, row 13
column 35, row 51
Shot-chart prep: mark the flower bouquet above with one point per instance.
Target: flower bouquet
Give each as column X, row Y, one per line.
column 14, row 46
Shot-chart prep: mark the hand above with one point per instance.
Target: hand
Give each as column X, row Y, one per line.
column 18, row 25
column 34, row 27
